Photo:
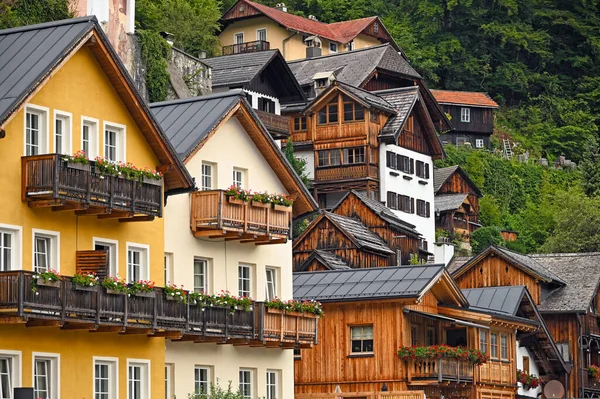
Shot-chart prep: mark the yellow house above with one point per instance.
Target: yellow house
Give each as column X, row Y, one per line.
column 62, row 90
column 250, row 26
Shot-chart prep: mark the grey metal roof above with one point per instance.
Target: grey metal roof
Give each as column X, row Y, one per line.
column 360, row 234
column 403, row 101
column 501, row 300
column 353, row 67
column 30, row 52
column 448, row 202
column 187, row 122
column 580, row 272
column 368, row 97
column 240, row 68
column 372, row 283
column 440, row 175
column 329, row 259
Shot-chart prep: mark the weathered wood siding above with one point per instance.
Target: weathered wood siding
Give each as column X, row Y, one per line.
column 564, row 328
column 413, row 136
column 456, row 184
column 380, row 81
column 482, row 119
column 241, row 12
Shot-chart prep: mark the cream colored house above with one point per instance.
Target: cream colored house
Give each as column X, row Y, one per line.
column 212, row 245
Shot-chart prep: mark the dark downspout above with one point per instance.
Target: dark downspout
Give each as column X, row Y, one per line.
column 580, row 368
column 285, row 41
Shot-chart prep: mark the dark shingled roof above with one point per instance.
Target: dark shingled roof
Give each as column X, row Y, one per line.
column 501, row 300
column 457, row 262
column 360, row 234
column 240, row 68
column 440, row 175
column 187, row 122
column 368, row 97
column 448, row 202
column 353, row 67
column 403, row 101
column 372, row 283
column 31, row 52
column 580, row 272
column 328, row 259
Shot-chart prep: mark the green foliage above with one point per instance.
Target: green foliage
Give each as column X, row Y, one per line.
column 590, row 169
column 298, row 164
column 217, row 392
column 484, row 237
column 28, row 12
column 489, row 212
column 155, row 51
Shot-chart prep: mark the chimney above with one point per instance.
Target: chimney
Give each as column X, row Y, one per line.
column 312, row 52
column 202, row 54
column 313, row 18
column 281, row 7
column 169, row 37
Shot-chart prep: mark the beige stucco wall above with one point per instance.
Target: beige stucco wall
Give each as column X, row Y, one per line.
column 229, row 147
column 362, row 41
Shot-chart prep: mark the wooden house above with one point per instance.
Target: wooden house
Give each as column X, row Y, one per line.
column 472, row 115
column 371, row 313
column 565, row 289
column 456, row 202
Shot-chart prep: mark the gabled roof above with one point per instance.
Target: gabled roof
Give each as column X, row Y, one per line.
column 342, row 32
column 580, row 272
column 456, row 263
column 29, row 55
column 372, row 283
column 475, row 99
column 441, row 175
column 403, row 101
column 328, row 259
column 360, row 234
column 366, row 98
column 499, row 300
column 241, row 69
column 448, row 202
column 382, row 211
column 190, row 122
column 526, row 263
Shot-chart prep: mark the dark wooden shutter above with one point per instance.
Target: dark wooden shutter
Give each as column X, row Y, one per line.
column 412, row 205
column 391, row 197
column 428, row 210
column 399, row 162
column 427, row 171
column 412, row 166
column 92, row 262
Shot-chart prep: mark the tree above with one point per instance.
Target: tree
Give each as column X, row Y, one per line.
column 484, row 237
column 217, row 392
column 489, row 212
column 15, row 13
column 298, row 164
column 590, row 169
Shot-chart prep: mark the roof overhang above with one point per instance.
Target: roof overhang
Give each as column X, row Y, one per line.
column 446, row 319
column 469, row 105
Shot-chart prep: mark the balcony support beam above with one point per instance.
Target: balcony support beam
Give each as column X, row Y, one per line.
column 208, row 233
column 137, row 219
column 273, row 241
column 136, row 330
column 43, row 323
column 108, row 329
column 116, row 215
column 70, row 207
column 173, row 335
column 78, row 326
column 93, row 212
column 46, row 203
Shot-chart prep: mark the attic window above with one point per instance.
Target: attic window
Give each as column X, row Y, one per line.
column 376, row 27
column 352, row 110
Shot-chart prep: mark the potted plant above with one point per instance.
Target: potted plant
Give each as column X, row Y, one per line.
column 594, row 372
column 282, row 202
column 142, row 288
column 48, row 278
column 300, row 308
column 151, row 176
column 529, row 381
column 175, row 293
column 85, row 281
column 79, row 161
column 115, row 286
column 473, row 356
column 237, row 195
column 261, row 200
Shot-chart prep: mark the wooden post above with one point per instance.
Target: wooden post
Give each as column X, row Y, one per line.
column 55, row 178
column 125, row 309
column 63, row 300
column 99, row 298
column 21, row 296
column 220, row 211
column 155, row 315
column 261, row 322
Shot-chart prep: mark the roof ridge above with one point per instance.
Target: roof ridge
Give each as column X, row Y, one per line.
column 365, row 269
column 395, row 90
column 51, row 24
column 230, row 93
column 563, row 255
column 341, row 54
column 462, row 91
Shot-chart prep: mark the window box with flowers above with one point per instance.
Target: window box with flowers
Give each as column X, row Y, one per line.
column 85, row 282
column 237, row 195
column 224, row 300
column 474, row 356
column 78, row 161
column 49, row 278
column 282, row 202
column 175, row 293
column 128, row 171
column 297, row 308
column 142, row 288
column 594, row 372
column 115, row 286
column 260, row 200
column 529, row 381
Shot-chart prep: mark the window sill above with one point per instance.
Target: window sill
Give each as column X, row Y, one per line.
column 361, row 355
column 423, row 182
column 407, row 177
column 394, row 174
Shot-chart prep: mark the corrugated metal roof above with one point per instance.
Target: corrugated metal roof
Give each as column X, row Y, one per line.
column 502, row 300
column 372, row 283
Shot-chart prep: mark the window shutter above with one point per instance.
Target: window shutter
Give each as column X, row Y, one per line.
column 412, row 166
column 428, row 206
column 427, row 171
column 399, row 198
column 390, row 195
column 260, row 103
column 412, row 205
column 399, row 164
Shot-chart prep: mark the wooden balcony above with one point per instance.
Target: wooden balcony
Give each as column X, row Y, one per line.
column 49, row 181
column 363, row 395
column 341, row 131
column 277, row 125
column 497, row 372
column 246, row 47
column 213, row 215
column 590, row 384
column 421, row 372
column 92, row 308
column 592, row 324
column 345, row 172
column 300, row 137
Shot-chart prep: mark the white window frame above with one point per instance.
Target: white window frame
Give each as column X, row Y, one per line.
column 258, row 34
column 145, row 377
column 15, row 374
column 479, row 143
column 93, row 124
column 113, row 260
column 364, row 337
column 274, row 271
column 44, row 121
column 212, row 176
column 121, row 144
column 239, row 177
column 54, row 380
column 209, row 376
column 333, row 47
column 169, row 373
column 206, row 271
column 67, row 136
column 17, row 245
column 251, row 382
column 168, row 267
column 113, row 374
column 272, row 380
column 235, row 36
column 54, row 239
column 250, row 268
column 465, row 115
column 144, row 267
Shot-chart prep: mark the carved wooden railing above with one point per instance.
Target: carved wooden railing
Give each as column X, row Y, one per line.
column 246, row 47
column 442, row 369
column 289, row 327
column 277, row 125
column 592, row 324
column 345, row 172
column 340, row 131
column 364, row 395
column 589, row 382
column 496, row 371
column 49, row 177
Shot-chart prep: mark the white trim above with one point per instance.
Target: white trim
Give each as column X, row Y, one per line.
column 143, row 247
column 55, row 242
column 96, row 123
column 113, row 385
column 100, row 240
column 478, row 142
column 336, row 48
column 209, row 375
column 235, row 37
column 207, row 273
column 17, row 366
column 54, row 372
column 122, row 140
column 145, row 362
column 69, row 116
column 44, row 127
column 266, row 37
column 252, row 380
column 16, row 262
column 277, row 383
column 465, row 115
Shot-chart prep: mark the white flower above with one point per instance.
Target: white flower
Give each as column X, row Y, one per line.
column 91, row 284
column 101, row 177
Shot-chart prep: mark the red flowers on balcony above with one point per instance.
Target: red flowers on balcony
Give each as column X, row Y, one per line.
column 474, row 356
column 530, row 381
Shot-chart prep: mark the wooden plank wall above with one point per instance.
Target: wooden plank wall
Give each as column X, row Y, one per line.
column 482, row 119
column 380, row 81
column 563, row 328
column 235, row 12
column 457, row 184
column 413, row 136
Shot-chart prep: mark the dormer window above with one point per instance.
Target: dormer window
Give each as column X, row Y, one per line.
column 353, row 111
column 329, row 113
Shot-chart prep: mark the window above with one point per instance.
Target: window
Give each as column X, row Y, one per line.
column 200, row 275
column 362, row 339
column 430, row 336
column 392, row 200
column 10, row 248
column 563, row 349
column 483, row 341
column 105, row 378
column 300, row 124
column 112, row 249
column 62, row 132
column 350, row 45
column 261, row 34
column 169, row 372
column 267, row 105
column 137, row 262
column 202, row 379
column 391, row 160
column 423, row 208
column 246, row 383
column 375, row 27
column 332, row 47
column 239, row 177
column 329, row 113
column 114, row 142
column 422, row 170
column 406, row 204
column 168, row 268
column 465, row 115
column 238, row 38
column 503, row 346
column 45, row 251
column 353, row 111
column 207, row 176
column 494, row 346
column 405, row 164
column 45, row 376
column 354, row 155
column 244, row 280
column 272, row 384
column 89, row 137
column 329, row 157
column 526, row 364
column 10, row 373
column 374, row 117
column 36, row 130
column 271, row 284
column 478, row 143
column 138, row 379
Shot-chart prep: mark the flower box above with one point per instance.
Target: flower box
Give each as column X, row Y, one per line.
column 260, row 204
column 273, row 310
column 236, row 201
column 115, row 292
column 47, row 283
column 145, row 294
column 154, row 182
column 85, row 288
column 79, row 166
column 282, row 208
column 174, row 298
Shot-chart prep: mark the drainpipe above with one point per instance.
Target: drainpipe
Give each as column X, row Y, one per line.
column 580, row 368
column 295, row 32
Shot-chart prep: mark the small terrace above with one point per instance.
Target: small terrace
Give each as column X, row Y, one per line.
column 246, row 47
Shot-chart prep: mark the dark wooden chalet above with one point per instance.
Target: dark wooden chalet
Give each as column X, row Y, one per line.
column 472, row 115
column 456, row 202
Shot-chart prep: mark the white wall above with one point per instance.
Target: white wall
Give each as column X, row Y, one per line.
column 229, row 147
column 522, row 351
column 443, row 252
column 412, row 188
column 256, row 96
column 309, row 157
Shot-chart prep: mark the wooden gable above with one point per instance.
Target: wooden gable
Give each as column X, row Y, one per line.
column 241, row 9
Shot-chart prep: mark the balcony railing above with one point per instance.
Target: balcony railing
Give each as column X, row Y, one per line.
column 277, row 125
column 497, row 372
column 247, row 47
column 49, row 181
column 345, row 172
column 590, row 383
column 364, row 395
column 592, row 324
column 69, row 306
column 215, row 216
column 442, row 369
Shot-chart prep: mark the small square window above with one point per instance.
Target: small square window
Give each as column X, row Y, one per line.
column 478, row 143
column 239, row 177
column 45, row 251
column 332, row 47
column 361, row 339
column 36, row 130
